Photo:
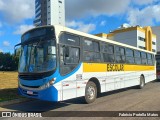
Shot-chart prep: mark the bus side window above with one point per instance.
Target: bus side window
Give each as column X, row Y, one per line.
column 69, row 61
column 144, row 58
column 74, row 56
column 137, row 57
column 108, row 52
column 119, row 56
column 149, row 59
column 153, row 59
column 91, row 51
column 129, row 56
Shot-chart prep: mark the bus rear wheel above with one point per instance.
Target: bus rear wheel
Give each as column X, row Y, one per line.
column 142, row 82
column 90, row 92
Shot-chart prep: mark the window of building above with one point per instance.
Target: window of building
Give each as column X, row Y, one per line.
column 141, row 38
column 142, row 47
column 153, row 50
column 153, row 43
column 60, row 1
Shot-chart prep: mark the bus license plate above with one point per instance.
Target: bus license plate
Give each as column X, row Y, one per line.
column 30, row 92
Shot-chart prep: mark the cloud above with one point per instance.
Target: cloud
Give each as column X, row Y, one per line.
column 14, row 11
column 103, row 23
column 82, row 8
column 144, row 17
column 144, row 2
column 6, row 43
column 23, row 28
column 81, row 26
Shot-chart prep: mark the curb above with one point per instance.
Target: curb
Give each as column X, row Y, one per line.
column 20, row 100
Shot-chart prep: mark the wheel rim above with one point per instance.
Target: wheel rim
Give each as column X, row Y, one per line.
column 91, row 92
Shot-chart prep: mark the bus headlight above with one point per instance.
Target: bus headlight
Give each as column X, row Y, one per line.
column 47, row 85
column 51, row 82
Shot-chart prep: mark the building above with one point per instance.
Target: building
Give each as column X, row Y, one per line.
column 49, row 12
column 156, row 30
column 141, row 37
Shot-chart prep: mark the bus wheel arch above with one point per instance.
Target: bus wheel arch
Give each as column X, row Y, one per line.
column 142, row 81
column 92, row 90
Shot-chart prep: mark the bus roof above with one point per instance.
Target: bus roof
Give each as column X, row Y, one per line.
column 76, row 32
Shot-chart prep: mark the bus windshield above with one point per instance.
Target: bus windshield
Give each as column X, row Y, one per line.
column 39, row 56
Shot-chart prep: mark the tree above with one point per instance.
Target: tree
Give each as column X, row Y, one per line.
column 8, row 62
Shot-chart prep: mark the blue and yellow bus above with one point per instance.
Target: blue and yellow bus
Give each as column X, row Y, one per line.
column 57, row 63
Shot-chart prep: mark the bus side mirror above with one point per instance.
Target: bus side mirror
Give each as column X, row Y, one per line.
column 17, row 51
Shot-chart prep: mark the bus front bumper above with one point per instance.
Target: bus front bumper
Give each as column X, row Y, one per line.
column 48, row 94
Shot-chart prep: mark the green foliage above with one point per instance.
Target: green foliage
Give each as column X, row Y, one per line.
column 8, row 62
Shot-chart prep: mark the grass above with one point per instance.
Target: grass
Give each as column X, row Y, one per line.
column 8, row 86
column 8, row 80
column 9, row 94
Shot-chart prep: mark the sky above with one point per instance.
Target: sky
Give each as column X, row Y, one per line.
column 90, row 16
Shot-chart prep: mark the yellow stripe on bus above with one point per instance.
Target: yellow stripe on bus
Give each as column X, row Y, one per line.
column 101, row 67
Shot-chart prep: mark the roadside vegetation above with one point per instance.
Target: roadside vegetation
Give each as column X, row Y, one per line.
column 9, row 94
column 8, row 77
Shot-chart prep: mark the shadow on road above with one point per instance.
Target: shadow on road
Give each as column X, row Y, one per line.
column 44, row 106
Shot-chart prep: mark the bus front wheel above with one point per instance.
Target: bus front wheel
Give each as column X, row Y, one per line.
column 90, row 92
column 142, row 82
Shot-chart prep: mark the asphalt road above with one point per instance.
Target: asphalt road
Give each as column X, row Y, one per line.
column 130, row 99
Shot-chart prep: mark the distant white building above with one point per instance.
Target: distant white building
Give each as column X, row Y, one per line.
column 156, row 30
column 49, row 12
column 135, row 36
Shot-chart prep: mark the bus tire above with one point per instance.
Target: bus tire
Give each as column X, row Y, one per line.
column 90, row 92
column 142, row 82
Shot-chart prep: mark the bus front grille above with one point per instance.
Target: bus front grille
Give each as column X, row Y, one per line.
column 31, row 77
